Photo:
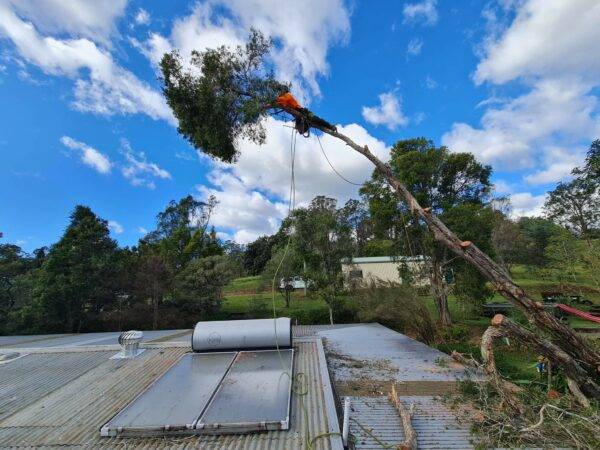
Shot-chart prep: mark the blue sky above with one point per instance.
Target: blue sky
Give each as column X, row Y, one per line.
column 83, row 120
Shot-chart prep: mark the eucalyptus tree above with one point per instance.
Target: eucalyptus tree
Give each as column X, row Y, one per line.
column 225, row 96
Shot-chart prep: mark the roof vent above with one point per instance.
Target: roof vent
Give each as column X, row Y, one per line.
column 130, row 344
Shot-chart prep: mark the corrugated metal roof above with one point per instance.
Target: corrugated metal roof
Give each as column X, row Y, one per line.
column 82, row 339
column 387, row 355
column 436, row 426
column 382, row 259
column 70, row 409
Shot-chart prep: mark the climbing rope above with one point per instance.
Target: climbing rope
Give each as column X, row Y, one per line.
column 333, row 168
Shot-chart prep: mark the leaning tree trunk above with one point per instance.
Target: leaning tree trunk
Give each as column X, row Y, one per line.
column 571, row 352
column 439, row 293
column 587, row 385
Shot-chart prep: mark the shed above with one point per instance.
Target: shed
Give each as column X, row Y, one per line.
column 364, row 270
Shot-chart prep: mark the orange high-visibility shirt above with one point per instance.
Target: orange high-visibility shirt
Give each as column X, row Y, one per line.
column 288, row 101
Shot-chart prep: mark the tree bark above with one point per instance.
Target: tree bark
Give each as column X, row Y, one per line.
column 586, row 383
column 410, row 435
column 573, row 354
column 439, row 293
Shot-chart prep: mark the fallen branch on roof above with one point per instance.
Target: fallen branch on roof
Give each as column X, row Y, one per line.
column 410, row 435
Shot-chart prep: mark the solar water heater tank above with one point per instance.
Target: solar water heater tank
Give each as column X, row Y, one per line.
column 242, row 334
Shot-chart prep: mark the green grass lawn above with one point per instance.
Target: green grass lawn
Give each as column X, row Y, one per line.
column 244, row 299
column 303, row 310
column 244, row 284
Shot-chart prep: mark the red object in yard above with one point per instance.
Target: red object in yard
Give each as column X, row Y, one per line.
column 578, row 313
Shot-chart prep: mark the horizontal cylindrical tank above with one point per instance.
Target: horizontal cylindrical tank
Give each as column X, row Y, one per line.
column 242, row 334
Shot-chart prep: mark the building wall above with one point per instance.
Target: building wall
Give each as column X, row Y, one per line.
column 380, row 271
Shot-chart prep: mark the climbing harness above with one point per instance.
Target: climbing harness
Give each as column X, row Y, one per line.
column 305, row 118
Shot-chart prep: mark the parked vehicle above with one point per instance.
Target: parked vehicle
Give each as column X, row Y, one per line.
column 293, row 283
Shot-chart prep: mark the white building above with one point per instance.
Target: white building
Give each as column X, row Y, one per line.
column 364, row 270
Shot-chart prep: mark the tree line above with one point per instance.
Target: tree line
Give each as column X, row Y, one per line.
column 176, row 273
column 86, row 282
column 458, row 189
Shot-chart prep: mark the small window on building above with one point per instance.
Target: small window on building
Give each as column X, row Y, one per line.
column 354, row 274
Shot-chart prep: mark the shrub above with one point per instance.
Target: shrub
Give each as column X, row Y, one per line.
column 398, row 307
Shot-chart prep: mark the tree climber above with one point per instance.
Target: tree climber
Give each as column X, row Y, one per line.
column 306, row 119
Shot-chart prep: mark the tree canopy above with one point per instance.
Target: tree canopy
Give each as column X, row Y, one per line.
column 223, row 95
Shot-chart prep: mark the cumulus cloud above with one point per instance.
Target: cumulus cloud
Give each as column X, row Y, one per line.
column 254, row 193
column 88, row 155
column 80, row 18
column 115, row 227
column 101, row 85
column 302, row 39
column 544, row 130
column 138, row 170
column 526, row 204
column 424, row 12
column 548, row 38
column 520, row 132
column 388, row 113
column 414, row 47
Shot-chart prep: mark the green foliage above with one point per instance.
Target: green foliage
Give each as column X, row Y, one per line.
column 321, row 240
column 508, row 242
column 537, row 233
column 398, row 307
column 223, row 96
column 12, row 265
column 181, row 232
column 199, row 286
column 258, row 253
column 379, row 247
column 288, row 262
column 457, row 188
column 77, row 277
column 575, row 205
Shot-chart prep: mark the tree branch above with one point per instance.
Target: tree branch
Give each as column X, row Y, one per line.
column 578, row 357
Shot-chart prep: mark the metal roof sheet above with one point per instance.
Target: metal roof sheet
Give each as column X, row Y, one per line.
column 382, row 259
column 386, row 355
column 69, row 410
column 437, row 427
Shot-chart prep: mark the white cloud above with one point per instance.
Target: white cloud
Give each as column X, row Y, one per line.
column 502, row 187
column 142, row 230
column 115, row 227
column 388, row 113
column 142, row 17
column 254, row 193
column 548, row 38
column 88, row 155
column 430, row 82
column 302, row 38
column 101, row 85
column 241, row 208
column 138, row 170
column 546, row 128
column 559, row 163
column 424, row 12
column 80, row 18
column 414, row 47
column 526, row 204
column 523, row 132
